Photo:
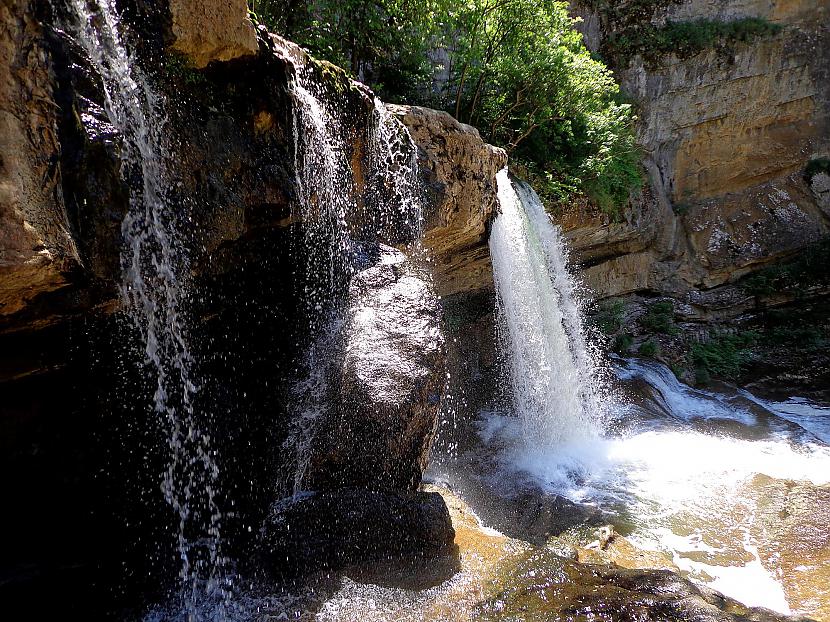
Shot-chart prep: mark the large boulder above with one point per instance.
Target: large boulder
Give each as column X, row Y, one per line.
column 388, row 381
column 345, row 527
column 461, row 172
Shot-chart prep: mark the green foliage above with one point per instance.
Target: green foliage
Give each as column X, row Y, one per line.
column 723, row 355
column 681, row 208
column 649, row 348
column 809, row 269
column 178, row 69
column 516, row 69
column 686, row 38
column 622, row 344
column 804, row 337
column 383, row 43
column 609, row 316
column 816, row 166
column 523, row 76
column 660, row 318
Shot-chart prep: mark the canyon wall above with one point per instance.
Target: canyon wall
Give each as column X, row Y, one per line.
column 727, row 134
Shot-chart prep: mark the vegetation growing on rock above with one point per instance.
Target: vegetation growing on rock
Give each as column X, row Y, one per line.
column 515, row 69
column 685, row 39
column 724, row 355
column 660, row 318
column 816, row 166
column 807, row 270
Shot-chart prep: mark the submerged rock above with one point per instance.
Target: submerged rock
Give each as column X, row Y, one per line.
column 502, row 578
column 340, row 528
column 391, row 378
column 793, row 525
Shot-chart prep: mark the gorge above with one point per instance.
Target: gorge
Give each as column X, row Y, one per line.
column 275, row 349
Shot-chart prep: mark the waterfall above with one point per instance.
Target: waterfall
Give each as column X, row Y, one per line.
column 154, row 289
column 339, row 221
column 396, row 187
column 555, row 381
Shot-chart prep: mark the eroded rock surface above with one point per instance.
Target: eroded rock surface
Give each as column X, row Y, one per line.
column 727, row 134
column 462, row 197
column 212, row 30
column 793, row 524
column 501, row 578
column 36, row 248
column 390, row 379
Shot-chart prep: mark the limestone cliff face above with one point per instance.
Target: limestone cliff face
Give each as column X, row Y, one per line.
column 727, row 134
column 462, row 197
column 212, row 31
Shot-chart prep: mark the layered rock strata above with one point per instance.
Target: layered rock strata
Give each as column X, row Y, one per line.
column 727, row 134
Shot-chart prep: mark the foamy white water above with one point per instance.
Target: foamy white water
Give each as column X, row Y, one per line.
column 682, row 472
column 689, row 493
column 555, row 383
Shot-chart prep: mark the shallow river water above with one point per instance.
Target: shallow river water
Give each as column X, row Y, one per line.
column 732, row 489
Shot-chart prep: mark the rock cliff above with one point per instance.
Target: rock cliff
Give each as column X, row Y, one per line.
column 460, row 174
column 73, row 374
column 734, row 135
column 36, row 247
column 727, row 134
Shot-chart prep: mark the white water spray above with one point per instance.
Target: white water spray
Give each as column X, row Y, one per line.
column 154, row 290
column 337, row 217
column 556, row 385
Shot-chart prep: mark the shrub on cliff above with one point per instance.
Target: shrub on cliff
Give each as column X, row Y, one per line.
column 516, row 69
column 723, row 356
column 685, row 38
column 797, row 276
column 660, row 318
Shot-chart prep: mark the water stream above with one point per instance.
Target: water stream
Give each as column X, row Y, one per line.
column 339, row 221
column 155, row 293
column 687, row 472
column 556, row 382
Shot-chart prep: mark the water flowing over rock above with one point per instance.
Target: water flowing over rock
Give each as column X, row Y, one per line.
column 364, row 409
column 154, row 288
column 198, row 184
column 554, row 379
column 389, row 381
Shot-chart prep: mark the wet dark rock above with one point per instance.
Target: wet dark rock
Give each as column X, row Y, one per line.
column 535, row 516
column 390, row 379
column 231, row 158
column 543, row 586
column 340, row 528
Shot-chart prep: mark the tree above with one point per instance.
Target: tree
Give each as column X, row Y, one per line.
column 516, row 69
